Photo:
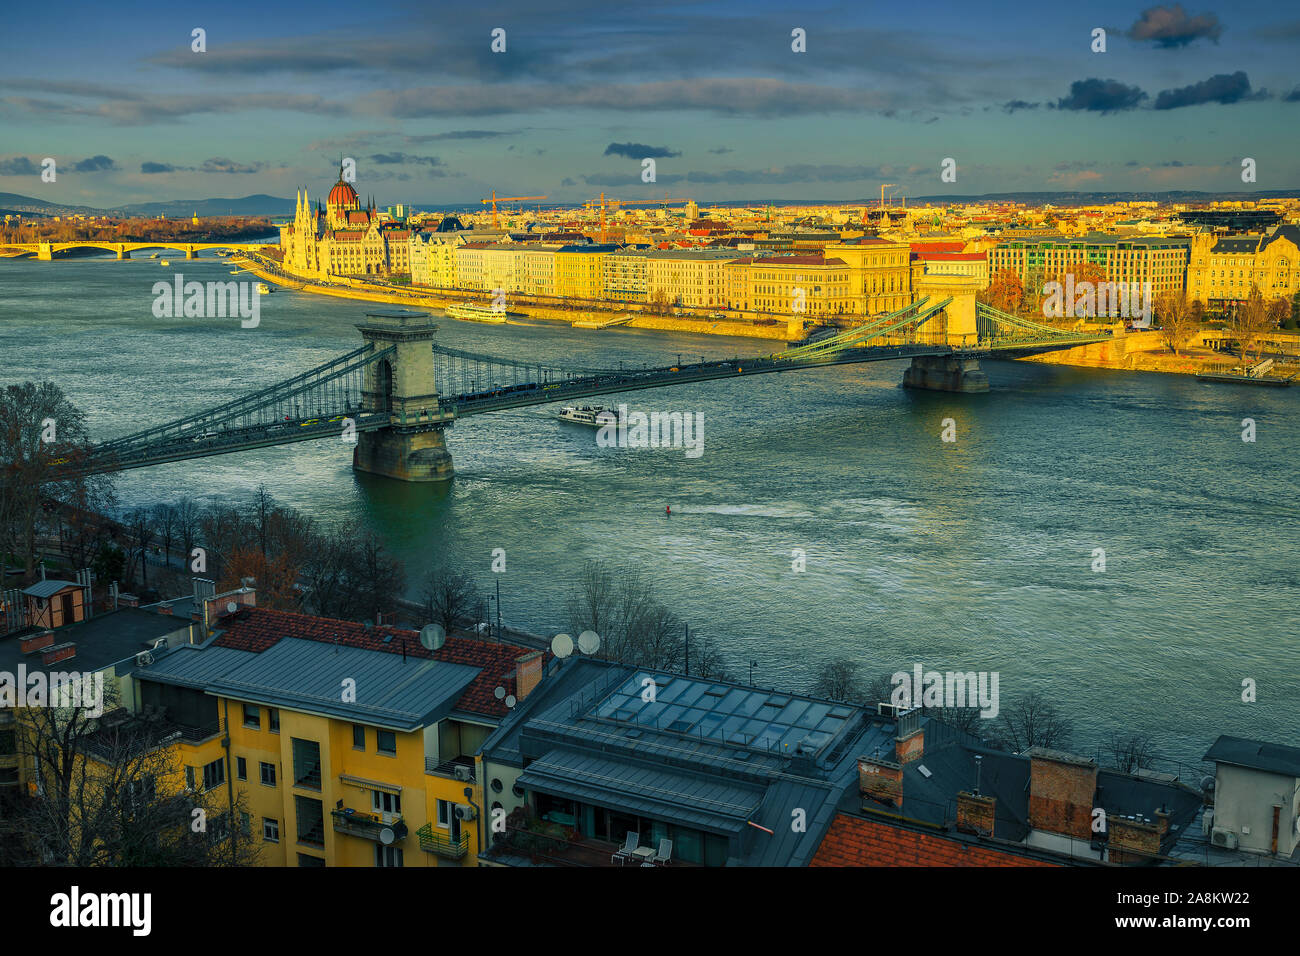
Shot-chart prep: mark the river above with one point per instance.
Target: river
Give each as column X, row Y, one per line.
column 975, row 555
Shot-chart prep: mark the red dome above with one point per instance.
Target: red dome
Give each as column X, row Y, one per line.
column 343, row 195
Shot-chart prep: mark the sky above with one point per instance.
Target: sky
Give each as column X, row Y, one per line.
column 585, row 90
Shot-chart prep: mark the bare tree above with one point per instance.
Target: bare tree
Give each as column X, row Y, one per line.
column 164, row 522
column 840, row 679
column 378, row 579
column 1035, row 722
column 1130, row 752
column 634, row 627
column 187, row 528
column 140, row 528
column 706, row 659
column 1250, row 321
column 1178, row 321
column 450, row 596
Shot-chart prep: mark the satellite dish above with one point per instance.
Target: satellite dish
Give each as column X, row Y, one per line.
column 510, row 700
column 589, row 642
column 387, row 836
column 232, row 607
column 499, row 693
column 433, row 636
column 562, row 645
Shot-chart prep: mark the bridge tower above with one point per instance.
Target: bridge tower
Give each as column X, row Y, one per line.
column 412, row 447
column 954, row 326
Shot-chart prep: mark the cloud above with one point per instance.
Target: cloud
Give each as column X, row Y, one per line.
column 1102, row 96
column 1073, row 179
column 404, row 159
column 18, row 166
column 1171, row 27
column 152, row 168
column 566, row 181
column 793, row 173
column 639, row 151
column 1293, row 96
column 94, row 164
column 1012, row 105
column 1220, row 88
column 220, row 164
column 722, row 151
column 459, row 134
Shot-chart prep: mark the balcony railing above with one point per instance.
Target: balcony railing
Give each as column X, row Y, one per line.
column 437, row 841
column 368, row 826
column 458, row 768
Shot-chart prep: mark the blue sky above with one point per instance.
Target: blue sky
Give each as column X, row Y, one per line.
column 585, row 89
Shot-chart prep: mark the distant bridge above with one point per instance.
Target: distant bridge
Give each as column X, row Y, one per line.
column 392, row 398
column 45, row 250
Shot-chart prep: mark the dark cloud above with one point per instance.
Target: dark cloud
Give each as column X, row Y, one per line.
column 94, row 164
column 1101, row 96
column 1293, row 96
column 219, row 164
column 793, row 173
column 1221, row 88
column 1075, row 164
column 1173, row 162
column 1171, row 27
column 459, row 134
column 151, row 168
column 566, row 181
column 404, row 159
column 1012, row 105
column 639, row 151
column 18, row 166
column 722, row 151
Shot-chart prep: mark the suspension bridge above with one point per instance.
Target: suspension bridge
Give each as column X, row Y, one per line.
column 393, row 397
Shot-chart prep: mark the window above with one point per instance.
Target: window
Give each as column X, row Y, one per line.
column 306, row 859
column 358, row 737
column 273, row 719
column 245, row 824
column 306, row 764
column 268, row 773
column 446, row 812
column 386, row 742
column 214, row 774
column 388, row 855
column 382, row 802
column 252, row 717
column 311, row 821
column 241, row 768
column 270, row 830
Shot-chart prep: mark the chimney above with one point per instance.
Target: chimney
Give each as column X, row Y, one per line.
column 1061, row 791
column 36, row 642
column 164, row 609
column 528, row 673
column 59, row 652
column 909, row 745
column 127, row 600
column 975, row 813
column 1133, row 839
column 881, row 780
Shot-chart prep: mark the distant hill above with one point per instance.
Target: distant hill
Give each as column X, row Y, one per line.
column 259, row 205
column 12, row 203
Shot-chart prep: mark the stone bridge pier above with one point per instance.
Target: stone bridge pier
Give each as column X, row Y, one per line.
column 955, row 326
column 122, row 253
column 412, row 447
column 45, row 251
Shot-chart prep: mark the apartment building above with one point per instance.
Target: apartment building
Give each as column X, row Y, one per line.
column 880, row 273
column 694, row 278
column 625, row 275
column 432, row 257
column 1222, row 269
column 1161, row 261
column 580, row 271
column 810, row 285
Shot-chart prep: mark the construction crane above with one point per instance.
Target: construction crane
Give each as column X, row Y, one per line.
column 496, row 199
column 613, row 204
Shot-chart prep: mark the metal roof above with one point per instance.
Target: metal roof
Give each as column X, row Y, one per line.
column 697, row 800
column 44, row 589
column 402, row 694
column 1257, row 755
column 192, row 666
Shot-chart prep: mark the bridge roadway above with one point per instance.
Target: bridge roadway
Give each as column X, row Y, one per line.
column 329, row 423
column 45, row 250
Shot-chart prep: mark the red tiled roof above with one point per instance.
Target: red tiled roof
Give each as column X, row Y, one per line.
column 853, row 841
column 927, row 247
column 948, row 256
column 258, row 628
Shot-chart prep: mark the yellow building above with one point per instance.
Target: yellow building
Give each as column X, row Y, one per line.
column 1222, row 270
column 693, row 278
column 879, row 273
column 580, row 271
column 433, row 259
column 790, row 285
column 350, row 746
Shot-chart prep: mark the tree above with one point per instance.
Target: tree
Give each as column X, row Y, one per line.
column 187, row 528
column 276, row 578
column 1005, row 292
column 634, row 627
column 706, row 659
column 1035, row 722
column 378, row 579
column 450, row 596
column 164, row 520
column 840, row 679
column 1130, row 753
column 140, row 528
column 1178, row 320
column 1250, row 321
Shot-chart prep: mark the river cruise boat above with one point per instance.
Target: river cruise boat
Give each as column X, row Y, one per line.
column 470, row 312
column 263, row 288
column 596, row 416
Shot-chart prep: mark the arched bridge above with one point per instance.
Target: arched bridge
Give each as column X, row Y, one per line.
column 392, row 398
column 45, row 250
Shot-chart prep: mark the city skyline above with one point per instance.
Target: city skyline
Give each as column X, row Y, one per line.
column 432, row 116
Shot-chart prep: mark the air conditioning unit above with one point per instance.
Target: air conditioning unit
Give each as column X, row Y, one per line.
column 1224, row 838
column 465, row 812
column 463, row 773
column 144, row 659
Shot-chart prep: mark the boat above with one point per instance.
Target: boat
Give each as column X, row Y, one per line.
column 476, row 313
column 597, row 416
column 164, row 263
column 263, row 288
column 154, row 256
column 1257, row 374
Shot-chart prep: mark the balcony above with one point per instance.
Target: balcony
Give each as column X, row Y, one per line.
column 458, row 768
column 368, row 826
column 439, row 842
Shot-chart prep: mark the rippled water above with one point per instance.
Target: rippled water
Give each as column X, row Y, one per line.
column 974, row 555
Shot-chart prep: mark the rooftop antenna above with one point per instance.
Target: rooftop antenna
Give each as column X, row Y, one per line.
column 978, row 765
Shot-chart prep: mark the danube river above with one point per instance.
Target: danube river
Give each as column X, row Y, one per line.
column 975, row 555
